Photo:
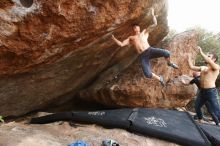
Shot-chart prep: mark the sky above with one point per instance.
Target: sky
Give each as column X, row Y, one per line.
column 183, row 14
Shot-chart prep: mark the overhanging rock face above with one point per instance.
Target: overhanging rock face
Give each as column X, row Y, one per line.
column 50, row 49
column 132, row 89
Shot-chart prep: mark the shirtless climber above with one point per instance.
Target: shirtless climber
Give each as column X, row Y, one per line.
column 140, row 41
column 196, row 80
column 208, row 92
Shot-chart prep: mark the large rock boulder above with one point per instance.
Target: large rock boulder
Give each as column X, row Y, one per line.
column 131, row 88
column 51, row 49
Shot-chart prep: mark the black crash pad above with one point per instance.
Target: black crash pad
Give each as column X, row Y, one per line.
column 170, row 125
column 212, row 132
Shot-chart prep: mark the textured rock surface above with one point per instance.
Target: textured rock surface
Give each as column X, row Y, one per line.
column 56, row 47
column 62, row 134
column 131, row 88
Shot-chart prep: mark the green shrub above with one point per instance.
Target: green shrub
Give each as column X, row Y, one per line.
column 1, row 119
